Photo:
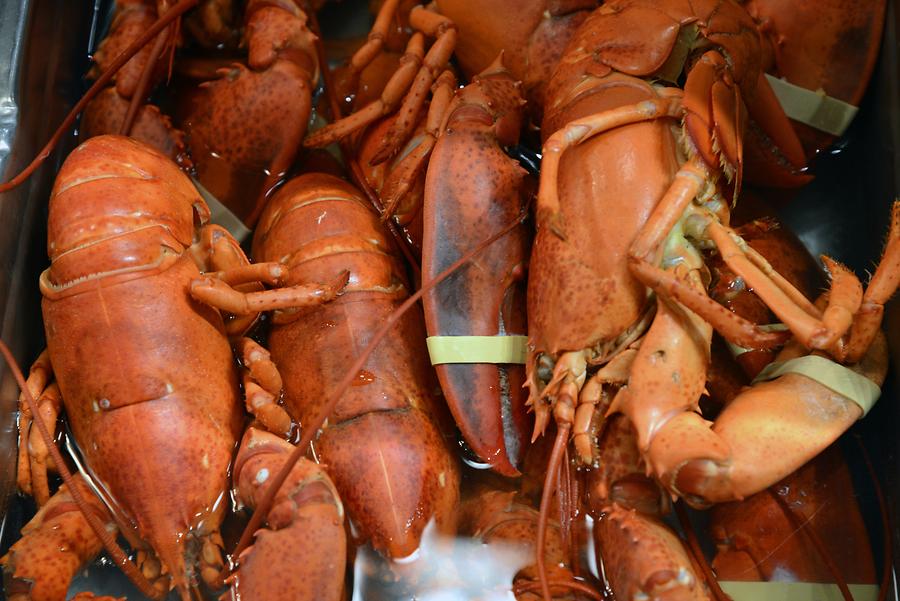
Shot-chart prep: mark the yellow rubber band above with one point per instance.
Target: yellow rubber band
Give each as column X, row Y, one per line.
column 769, row 327
column 815, row 109
column 477, row 349
column 796, row 591
column 844, row 381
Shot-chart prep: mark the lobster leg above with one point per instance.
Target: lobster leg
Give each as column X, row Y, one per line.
column 55, row 545
column 820, row 331
column 374, row 45
column 813, row 331
column 442, row 28
column 410, row 84
column 580, row 130
column 301, row 553
column 881, row 287
column 616, row 373
column 405, row 172
column 218, row 294
column 262, row 387
column 49, row 405
column 38, row 378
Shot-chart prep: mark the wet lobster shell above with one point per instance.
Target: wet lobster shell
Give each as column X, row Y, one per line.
column 472, row 191
column 382, row 444
column 146, row 373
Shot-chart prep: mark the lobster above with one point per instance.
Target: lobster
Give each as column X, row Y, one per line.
column 244, row 129
column 124, row 248
column 382, row 445
column 588, row 293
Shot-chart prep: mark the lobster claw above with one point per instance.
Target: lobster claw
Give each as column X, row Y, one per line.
column 836, row 56
column 301, row 553
column 485, row 297
column 716, row 113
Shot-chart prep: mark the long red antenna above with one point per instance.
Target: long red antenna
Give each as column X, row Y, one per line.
column 163, row 22
column 117, row 554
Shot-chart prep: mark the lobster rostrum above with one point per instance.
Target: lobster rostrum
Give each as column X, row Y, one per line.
column 127, row 231
column 382, row 444
column 669, row 157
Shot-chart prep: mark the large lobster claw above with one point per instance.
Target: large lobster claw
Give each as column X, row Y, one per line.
column 472, row 191
column 300, row 555
column 827, row 48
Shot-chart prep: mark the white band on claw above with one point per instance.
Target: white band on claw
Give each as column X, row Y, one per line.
column 815, row 109
column 843, row 380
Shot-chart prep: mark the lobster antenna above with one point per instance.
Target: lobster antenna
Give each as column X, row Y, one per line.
column 310, row 430
column 349, row 154
column 105, row 77
column 697, row 553
column 116, row 552
column 805, row 525
column 550, row 480
column 137, row 100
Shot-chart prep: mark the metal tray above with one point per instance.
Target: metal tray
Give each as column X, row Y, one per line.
column 44, row 54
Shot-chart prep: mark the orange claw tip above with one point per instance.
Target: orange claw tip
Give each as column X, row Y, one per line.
column 701, row 482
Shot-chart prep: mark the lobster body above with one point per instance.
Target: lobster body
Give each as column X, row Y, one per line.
column 157, row 437
column 382, row 445
column 581, row 293
column 532, row 35
column 485, row 297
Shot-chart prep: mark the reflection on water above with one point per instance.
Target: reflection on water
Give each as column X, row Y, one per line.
column 443, row 569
